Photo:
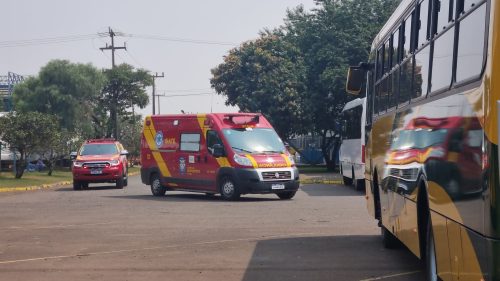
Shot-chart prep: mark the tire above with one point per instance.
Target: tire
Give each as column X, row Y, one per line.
column 388, row 239
column 287, row 195
column 156, row 187
column 77, row 185
column 430, row 255
column 85, row 184
column 125, row 180
column 347, row 181
column 229, row 190
column 120, row 183
column 359, row 184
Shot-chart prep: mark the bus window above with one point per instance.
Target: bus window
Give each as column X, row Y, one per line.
column 407, row 37
column 421, row 77
column 382, row 106
column 387, row 56
column 405, row 81
column 444, row 14
column 423, row 33
column 442, row 61
column 395, row 48
column 471, row 45
column 465, row 5
column 380, row 66
column 395, row 88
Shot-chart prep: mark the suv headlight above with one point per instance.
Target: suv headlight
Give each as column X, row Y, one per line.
column 242, row 160
column 77, row 164
column 114, row 162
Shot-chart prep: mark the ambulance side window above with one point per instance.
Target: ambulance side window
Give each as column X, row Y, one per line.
column 190, row 142
column 212, row 138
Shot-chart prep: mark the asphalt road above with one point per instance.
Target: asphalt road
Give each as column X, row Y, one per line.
column 324, row 233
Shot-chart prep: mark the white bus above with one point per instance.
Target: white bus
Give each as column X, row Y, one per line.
column 352, row 148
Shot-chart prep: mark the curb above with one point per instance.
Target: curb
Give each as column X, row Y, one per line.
column 43, row 186
column 36, row 187
column 320, row 181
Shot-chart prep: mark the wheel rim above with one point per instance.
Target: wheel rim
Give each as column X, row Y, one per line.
column 156, row 185
column 228, row 188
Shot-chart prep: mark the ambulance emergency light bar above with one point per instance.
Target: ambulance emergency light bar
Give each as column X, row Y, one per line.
column 243, row 118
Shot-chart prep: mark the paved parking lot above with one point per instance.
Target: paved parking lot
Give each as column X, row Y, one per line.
column 324, row 233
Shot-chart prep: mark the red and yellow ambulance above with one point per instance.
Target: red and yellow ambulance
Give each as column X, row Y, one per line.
column 231, row 154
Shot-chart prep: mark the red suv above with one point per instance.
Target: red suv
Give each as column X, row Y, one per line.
column 99, row 160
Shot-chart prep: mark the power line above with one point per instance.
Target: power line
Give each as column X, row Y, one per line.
column 184, row 90
column 48, row 40
column 187, row 95
column 176, row 39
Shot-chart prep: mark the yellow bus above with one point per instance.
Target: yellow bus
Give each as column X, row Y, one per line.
column 432, row 132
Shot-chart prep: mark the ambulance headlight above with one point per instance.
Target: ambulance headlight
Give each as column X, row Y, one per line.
column 242, row 160
column 292, row 161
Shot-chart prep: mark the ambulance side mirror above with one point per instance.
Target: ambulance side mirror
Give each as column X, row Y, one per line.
column 218, row 150
column 72, row 155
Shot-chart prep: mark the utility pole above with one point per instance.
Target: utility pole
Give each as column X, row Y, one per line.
column 154, row 86
column 113, row 48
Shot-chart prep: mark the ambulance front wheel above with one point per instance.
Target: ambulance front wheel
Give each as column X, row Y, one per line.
column 229, row 190
column 156, row 187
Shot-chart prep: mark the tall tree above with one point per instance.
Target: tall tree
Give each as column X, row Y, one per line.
column 332, row 37
column 125, row 87
column 27, row 132
column 65, row 89
column 265, row 75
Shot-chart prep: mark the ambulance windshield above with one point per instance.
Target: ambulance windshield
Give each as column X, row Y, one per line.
column 250, row 140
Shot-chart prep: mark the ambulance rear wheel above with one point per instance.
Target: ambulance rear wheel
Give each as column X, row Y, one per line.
column 156, row 187
column 229, row 190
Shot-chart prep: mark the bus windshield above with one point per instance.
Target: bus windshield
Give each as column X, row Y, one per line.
column 250, row 140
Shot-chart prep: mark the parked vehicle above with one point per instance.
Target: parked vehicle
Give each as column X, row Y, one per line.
column 230, row 154
column 352, row 148
column 99, row 161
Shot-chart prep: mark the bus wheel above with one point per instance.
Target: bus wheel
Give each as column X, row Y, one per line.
column 388, row 239
column 430, row 254
column 287, row 195
column 156, row 187
column 229, row 190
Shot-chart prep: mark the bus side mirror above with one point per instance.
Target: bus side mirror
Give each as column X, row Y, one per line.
column 218, row 150
column 72, row 155
column 355, row 79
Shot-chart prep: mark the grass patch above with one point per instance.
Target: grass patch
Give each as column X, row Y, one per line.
column 7, row 179
column 313, row 169
column 34, row 178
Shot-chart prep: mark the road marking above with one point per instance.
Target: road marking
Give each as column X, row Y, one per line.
column 13, row 228
column 391, row 276
column 158, row 248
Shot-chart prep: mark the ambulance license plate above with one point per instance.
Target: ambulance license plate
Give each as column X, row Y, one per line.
column 278, row 186
column 96, row 172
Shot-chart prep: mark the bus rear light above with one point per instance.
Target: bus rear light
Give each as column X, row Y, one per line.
column 363, row 154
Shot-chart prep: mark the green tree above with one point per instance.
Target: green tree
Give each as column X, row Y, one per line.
column 265, row 75
column 65, row 89
column 27, row 132
column 131, row 140
column 335, row 35
column 125, row 87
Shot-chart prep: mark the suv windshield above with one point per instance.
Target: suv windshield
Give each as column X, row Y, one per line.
column 254, row 140
column 99, row 149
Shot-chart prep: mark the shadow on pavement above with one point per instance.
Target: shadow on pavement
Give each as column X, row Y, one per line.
column 90, row 188
column 190, row 197
column 330, row 190
column 331, row 258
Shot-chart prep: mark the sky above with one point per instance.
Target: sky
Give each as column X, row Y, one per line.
column 168, row 36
